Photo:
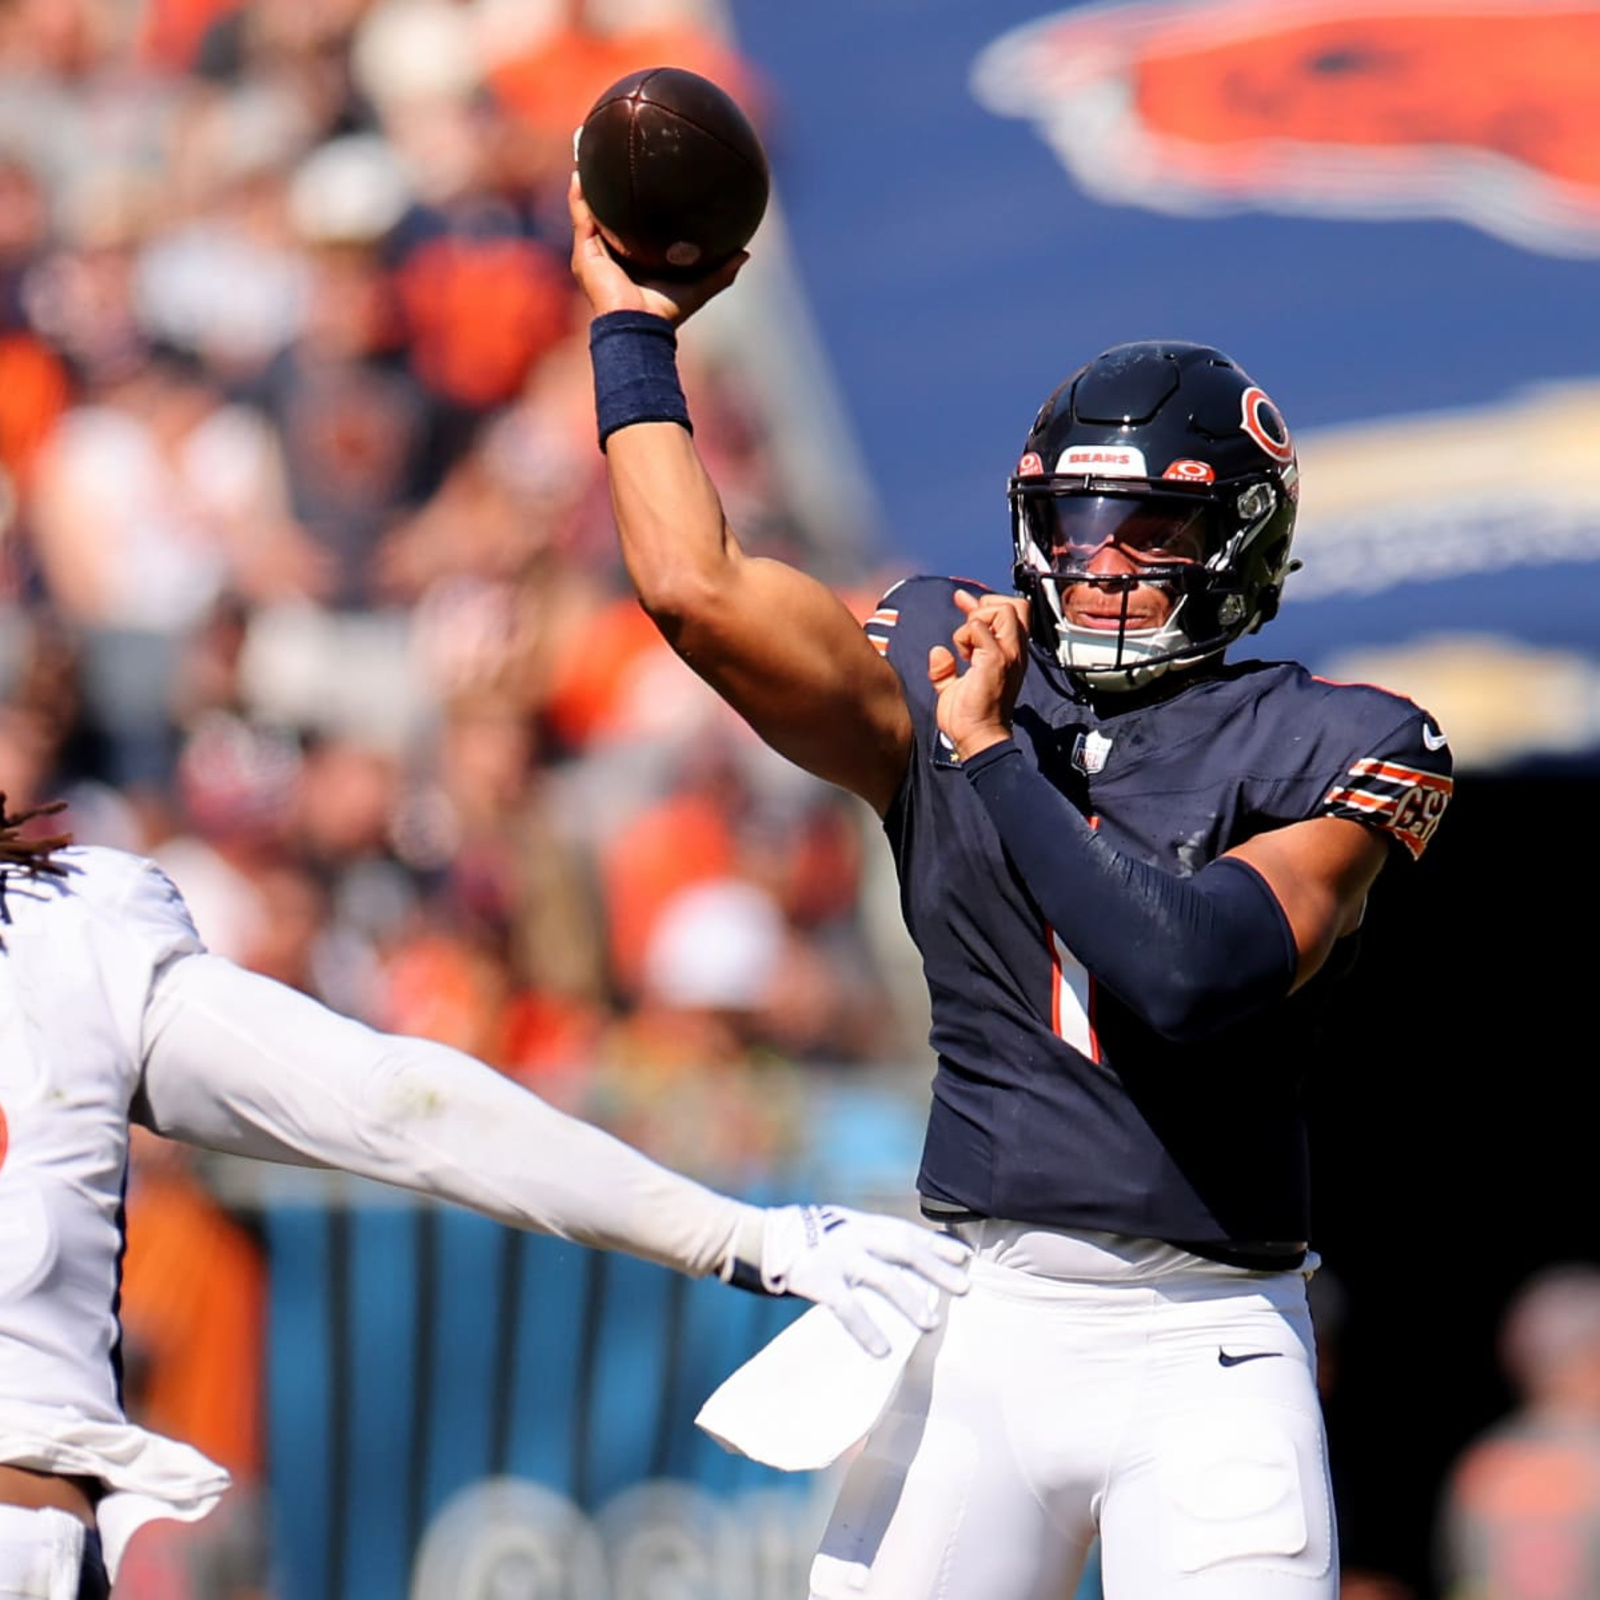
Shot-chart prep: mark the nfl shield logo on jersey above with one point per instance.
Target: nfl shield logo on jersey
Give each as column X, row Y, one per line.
column 1089, row 751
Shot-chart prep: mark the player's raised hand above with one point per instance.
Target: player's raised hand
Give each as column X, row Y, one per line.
column 974, row 707
column 607, row 285
column 830, row 1255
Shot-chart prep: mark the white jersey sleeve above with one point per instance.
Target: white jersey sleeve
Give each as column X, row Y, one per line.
column 153, row 915
column 236, row 1062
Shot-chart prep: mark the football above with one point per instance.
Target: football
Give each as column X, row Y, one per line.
column 673, row 171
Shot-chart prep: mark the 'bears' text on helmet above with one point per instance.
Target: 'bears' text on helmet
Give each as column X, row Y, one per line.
column 1171, row 453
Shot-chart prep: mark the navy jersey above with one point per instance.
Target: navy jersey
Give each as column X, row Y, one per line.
column 1052, row 1101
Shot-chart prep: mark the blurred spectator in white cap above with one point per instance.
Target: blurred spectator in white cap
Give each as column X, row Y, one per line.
column 724, row 956
column 716, row 946
column 686, row 1069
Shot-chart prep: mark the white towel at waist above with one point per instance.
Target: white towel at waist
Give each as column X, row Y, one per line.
column 811, row 1393
column 147, row 1476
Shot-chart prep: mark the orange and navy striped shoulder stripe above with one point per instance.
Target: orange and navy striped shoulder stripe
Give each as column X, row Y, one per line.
column 879, row 626
column 1404, row 801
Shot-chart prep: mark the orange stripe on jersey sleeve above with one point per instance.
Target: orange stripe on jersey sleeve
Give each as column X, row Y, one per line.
column 883, row 617
column 1403, row 801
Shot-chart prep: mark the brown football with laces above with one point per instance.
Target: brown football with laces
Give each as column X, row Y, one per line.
column 673, row 171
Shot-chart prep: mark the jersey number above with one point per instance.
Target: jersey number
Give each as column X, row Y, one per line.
column 1071, row 999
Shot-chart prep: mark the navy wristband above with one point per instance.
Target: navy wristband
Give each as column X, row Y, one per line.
column 635, row 360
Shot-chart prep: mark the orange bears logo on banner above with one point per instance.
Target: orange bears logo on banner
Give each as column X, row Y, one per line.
column 1339, row 108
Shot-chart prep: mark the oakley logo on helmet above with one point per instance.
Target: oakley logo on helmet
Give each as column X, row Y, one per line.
column 1030, row 466
column 1340, row 108
column 1264, row 423
column 1190, row 472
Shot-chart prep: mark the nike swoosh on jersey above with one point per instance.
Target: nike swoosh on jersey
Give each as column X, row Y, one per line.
column 1224, row 1359
column 1433, row 738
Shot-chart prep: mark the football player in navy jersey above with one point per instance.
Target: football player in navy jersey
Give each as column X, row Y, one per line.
column 1133, row 870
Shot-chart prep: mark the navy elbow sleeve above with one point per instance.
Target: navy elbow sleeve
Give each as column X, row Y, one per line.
column 1187, row 955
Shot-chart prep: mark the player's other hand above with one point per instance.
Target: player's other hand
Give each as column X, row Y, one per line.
column 975, row 706
column 829, row 1255
column 607, row 285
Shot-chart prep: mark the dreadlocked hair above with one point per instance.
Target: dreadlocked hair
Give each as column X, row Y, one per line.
column 31, row 857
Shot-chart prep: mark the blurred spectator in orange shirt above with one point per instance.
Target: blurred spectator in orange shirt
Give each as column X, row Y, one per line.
column 1520, row 1515
column 686, row 837
column 34, row 384
column 192, row 1306
column 193, row 1313
column 480, row 275
column 172, row 31
column 550, row 84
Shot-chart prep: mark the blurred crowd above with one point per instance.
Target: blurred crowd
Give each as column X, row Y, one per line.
column 309, row 585
column 309, row 589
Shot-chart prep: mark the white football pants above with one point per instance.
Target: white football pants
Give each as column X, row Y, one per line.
column 1089, row 1382
column 41, row 1554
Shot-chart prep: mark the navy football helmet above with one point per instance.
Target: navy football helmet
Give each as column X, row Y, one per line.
column 1173, row 454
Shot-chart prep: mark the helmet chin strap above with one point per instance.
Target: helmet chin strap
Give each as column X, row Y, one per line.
column 1122, row 660
column 1103, row 666
column 1137, row 675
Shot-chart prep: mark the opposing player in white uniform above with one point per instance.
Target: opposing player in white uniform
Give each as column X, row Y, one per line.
column 113, row 1013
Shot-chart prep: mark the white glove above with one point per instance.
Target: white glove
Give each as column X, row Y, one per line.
column 829, row 1255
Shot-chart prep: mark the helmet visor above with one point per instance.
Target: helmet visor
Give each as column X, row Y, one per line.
column 1151, row 530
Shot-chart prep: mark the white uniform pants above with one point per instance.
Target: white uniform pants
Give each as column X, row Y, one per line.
column 41, row 1554
column 1089, row 1383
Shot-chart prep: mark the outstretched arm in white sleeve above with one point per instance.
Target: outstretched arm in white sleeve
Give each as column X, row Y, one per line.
column 239, row 1063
